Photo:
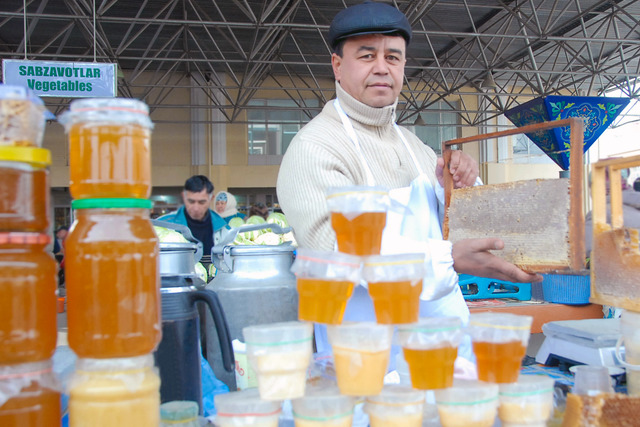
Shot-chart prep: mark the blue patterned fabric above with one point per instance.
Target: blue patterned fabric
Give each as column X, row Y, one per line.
column 598, row 113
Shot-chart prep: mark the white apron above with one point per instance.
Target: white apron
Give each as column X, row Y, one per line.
column 417, row 230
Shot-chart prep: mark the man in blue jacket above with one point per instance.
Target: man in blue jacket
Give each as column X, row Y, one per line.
column 205, row 225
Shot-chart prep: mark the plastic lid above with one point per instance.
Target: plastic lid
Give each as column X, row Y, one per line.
column 19, row 93
column 24, row 238
column 179, row 410
column 107, row 110
column 111, row 203
column 116, row 364
column 33, row 155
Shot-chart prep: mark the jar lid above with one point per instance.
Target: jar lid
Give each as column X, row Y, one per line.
column 111, row 203
column 107, row 110
column 24, row 238
column 179, row 410
column 33, row 155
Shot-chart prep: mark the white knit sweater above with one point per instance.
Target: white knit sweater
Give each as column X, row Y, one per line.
column 321, row 155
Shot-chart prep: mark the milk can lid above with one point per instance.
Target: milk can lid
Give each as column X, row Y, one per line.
column 107, row 203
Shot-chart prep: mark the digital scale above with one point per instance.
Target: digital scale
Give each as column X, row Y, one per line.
column 577, row 342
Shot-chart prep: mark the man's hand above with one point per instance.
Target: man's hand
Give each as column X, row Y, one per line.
column 463, row 167
column 472, row 256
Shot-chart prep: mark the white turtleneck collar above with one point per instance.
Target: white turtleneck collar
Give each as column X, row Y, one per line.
column 359, row 112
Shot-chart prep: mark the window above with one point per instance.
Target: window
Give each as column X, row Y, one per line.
column 526, row 151
column 272, row 125
column 440, row 126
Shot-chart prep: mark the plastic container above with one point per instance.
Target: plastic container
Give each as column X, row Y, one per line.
column 114, row 392
column 179, row 413
column 430, row 348
column 109, row 148
column 358, row 217
column 468, row 404
column 22, row 117
column 630, row 328
column 499, row 342
column 24, row 189
column 323, row 407
column 29, row 395
column 566, row 289
column 112, row 279
column 395, row 285
column 280, row 354
column 526, row 402
column 395, row 406
column 325, row 281
column 361, row 354
column 246, row 409
column 591, row 380
column 28, row 284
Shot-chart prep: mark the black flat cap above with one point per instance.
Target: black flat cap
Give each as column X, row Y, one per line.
column 368, row 18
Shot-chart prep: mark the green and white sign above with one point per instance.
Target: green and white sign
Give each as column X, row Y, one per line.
column 62, row 79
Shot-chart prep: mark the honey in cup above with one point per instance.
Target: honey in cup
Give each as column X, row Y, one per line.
column 396, row 406
column 358, row 217
column 280, row 354
column 109, row 148
column 395, row 285
column 529, row 401
column 323, row 407
column 430, row 348
column 467, row 404
column 22, row 117
column 325, row 281
column 361, row 354
column 245, row 408
column 30, row 395
column 499, row 343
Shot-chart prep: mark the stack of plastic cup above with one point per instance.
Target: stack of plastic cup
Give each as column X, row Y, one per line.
column 29, row 394
column 111, row 260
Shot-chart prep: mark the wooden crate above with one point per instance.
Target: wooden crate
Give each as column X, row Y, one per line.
column 540, row 221
column 615, row 256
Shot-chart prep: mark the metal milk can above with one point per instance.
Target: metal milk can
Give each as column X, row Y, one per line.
column 254, row 285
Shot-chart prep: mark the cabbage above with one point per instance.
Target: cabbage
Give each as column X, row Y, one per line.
column 167, row 235
column 278, row 218
column 268, row 238
column 236, row 222
column 255, row 220
column 212, row 271
column 288, row 237
column 242, row 239
column 201, row 272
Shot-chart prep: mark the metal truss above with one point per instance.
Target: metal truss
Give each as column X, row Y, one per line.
column 501, row 52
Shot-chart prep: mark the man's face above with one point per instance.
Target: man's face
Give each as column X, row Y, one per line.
column 371, row 68
column 196, row 204
column 61, row 234
column 221, row 205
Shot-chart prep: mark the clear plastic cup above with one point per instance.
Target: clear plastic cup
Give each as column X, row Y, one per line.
column 630, row 328
column 526, row 402
column 591, row 380
column 280, row 354
column 361, row 354
column 499, row 342
column 468, row 404
column 396, row 405
column 358, row 217
column 430, row 348
column 179, row 413
column 325, row 281
column 323, row 407
column 22, row 117
column 246, row 409
column 395, row 285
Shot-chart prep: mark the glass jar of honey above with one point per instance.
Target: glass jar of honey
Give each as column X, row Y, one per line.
column 27, row 298
column 109, row 148
column 24, row 189
column 115, row 392
column 29, row 395
column 112, row 279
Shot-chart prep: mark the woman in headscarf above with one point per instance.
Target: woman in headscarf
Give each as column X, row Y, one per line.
column 226, row 206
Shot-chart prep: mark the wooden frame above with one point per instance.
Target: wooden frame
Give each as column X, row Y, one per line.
column 576, row 215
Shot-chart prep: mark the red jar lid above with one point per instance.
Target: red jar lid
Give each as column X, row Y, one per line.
column 24, row 238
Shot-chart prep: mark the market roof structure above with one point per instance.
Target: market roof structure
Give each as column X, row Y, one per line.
column 498, row 50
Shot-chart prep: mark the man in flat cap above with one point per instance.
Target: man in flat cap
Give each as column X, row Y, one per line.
column 355, row 141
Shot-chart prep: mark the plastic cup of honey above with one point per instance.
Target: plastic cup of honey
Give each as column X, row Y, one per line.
column 526, row 402
column 323, row 407
column 358, row 217
column 246, row 408
column 468, row 404
column 396, row 405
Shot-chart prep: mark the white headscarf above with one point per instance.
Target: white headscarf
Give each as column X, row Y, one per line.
column 231, row 207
